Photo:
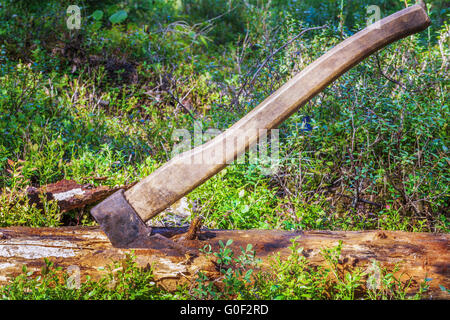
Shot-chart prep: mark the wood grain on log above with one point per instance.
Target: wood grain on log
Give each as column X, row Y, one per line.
column 419, row 255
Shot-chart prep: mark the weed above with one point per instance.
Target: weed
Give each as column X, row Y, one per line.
column 235, row 273
column 124, row 280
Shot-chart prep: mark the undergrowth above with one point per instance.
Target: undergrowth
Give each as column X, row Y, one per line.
column 239, row 277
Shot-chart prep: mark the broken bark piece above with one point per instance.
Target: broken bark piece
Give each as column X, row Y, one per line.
column 71, row 195
column 194, row 229
column 419, row 255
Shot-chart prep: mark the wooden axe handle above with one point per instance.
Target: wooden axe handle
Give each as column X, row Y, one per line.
column 188, row 170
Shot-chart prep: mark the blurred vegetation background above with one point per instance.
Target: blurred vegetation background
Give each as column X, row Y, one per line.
column 370, row 152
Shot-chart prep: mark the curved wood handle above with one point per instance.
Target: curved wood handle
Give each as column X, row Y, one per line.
column 188, row 170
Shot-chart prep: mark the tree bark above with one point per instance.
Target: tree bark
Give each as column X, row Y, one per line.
column 419, row 255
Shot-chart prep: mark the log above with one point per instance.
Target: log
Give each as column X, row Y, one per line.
column 71, row 195
column 419, row 255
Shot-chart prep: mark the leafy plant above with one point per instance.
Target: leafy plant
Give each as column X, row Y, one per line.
column 235, row 273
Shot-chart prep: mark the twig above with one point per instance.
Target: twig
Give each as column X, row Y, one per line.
column 359, row 200
column 182, row 105
column 261, row 66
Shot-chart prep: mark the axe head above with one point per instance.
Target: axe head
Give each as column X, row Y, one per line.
column 120, row 222
column 125, row 228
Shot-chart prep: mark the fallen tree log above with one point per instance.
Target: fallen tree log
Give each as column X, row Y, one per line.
column 419, row 255
column 71, row 195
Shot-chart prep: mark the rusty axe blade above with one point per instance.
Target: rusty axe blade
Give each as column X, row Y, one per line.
column 123, row 215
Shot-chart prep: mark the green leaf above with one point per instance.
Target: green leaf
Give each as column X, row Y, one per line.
column 203, row 40
column 97, row 15
column 229, row 242
column 118, row 17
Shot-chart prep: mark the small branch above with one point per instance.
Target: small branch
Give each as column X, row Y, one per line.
column 356, row 199
column 182, row 105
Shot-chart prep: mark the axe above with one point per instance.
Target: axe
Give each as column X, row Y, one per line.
column 122, row 216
